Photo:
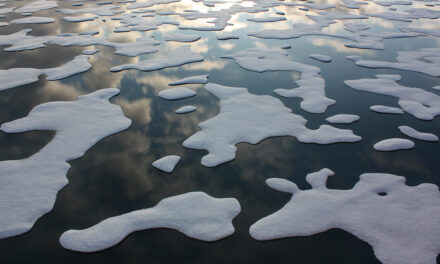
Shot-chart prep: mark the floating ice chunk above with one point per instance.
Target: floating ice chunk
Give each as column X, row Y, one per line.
column 167, row 164
column 196, row 214
column 311, row 84
column 393, row 144
column 390, row 3
column 356, row 27
column 199, row 79
column 399, row 221
column 181, row 37
column 19, row 76
column 266, row 19
column 342, row 119
column 105, row 10
column 436, row 87
column 143, row 45
column 353, row 4
column 6, row 10
column 428, row 31
column 2, row 24
column 180, row 56
column 393, row 77
column 36, row 6
column 408, row 15
column 386, row 109
column 423, row 60
column 418, row 102
column 186, row 109
column 176, row 93
column 33, row 20
column 226, row 36
column 286, row 46
column 28, row 187
column 150, row 3
column 411, row 132
column 246, row 117
column 323, row 58
column 80, row 18
column 90, row 51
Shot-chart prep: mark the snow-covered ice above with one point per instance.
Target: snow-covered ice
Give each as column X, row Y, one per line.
column 28, row 187
column 33, row 20
column 186, row 109
column 386, row 109
column 411, row 132
column 181, row 37
column 195, row 214
column 245, row 117
column 342, row 119
column 36, row 6
column 399, row 221
column 198, row 79
column 167, row 163
column 320, row 57
column 176, row 93
column 393, row 144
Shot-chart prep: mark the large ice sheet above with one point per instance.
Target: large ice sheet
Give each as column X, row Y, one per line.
column 28, row 187
column 245, row 117
column 196, row 214
column 399, row 221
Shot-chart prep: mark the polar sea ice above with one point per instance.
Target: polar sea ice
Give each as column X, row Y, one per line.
column 411, row 132
column 392, row 144
column 28, row 187
column 196, row 214
column 399, row 221
column 167, row 163
column 245, row 117
column 176, row 93
column 342, row 119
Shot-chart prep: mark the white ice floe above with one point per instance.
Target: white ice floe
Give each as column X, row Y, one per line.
column 423, row 60
column 186, row 109
column 436, row 87
column 28, row 187
column 136, row 5
column 178, row 57
column 386, row 109
column 36, row 6
column 418, row 102
column 105, row 10
column 390, row 3
column 14, row 77
column 33, row 20
column 90, row 51
column 167, row 164
column 320, row 57
column 393, row 144
column 143, row 45
column 2, row 24
column 181, row 37
column 80, row 18
column 408, row 15
column 226, row 36
column 342, row 119
column 353, row 4
column 311, row 84
column 245, row 117
column 411, row 132
column 130, row 22
column 176, row 93
column 399, row 221
column 199, row 79
column 195, row 214
column 266, row 19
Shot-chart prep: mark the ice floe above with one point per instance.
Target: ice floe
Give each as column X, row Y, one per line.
column 342, row 119
column 311, row 85
column 167, row 164
column 33, row 20
column 28, row 187
column 320, row 57
column 199, row 79
column 418, row 102
column 425, row 60
column 245, row 117
column 80, row 18
column 393, row 144
column 386, row 109
column 195, row 214
column 105, row 10
column 176, row 93
column 181, row 37
column 399, row 221
column 14, row 77
column 411, row 132
column 178, row 57
column 266, row 19
column 186, row 109
column 36, row 6
column 226, row 36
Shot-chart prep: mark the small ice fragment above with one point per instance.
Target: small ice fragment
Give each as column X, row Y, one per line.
column 386, row 109
column 176, row 93
column 199, row 79
column 90, row 51
column 266, row 19
column 167, row 164
column 286, row 46
column 186, row 109
column 181, row 37
column 393, row 144
column 226, row 36
column 342, row 119
column 33, row 20
column 320, row 57
column 411, row 132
